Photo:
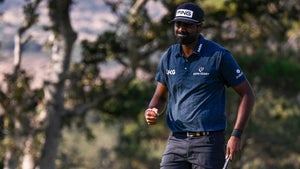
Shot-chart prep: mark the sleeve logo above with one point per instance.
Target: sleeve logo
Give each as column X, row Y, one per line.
column 239, row 73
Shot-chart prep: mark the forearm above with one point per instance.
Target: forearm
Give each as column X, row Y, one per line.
column 158, row 103
column 234, row 143
column 244, row 110
column 159, row 98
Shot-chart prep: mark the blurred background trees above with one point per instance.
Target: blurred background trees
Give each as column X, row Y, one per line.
column 81, row 118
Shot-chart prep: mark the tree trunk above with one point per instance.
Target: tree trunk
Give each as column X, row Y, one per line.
column 17, row 51
column 11, row 160
column 28, row 159
column 54, row 85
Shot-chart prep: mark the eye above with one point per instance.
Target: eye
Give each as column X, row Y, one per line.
column 184, row 25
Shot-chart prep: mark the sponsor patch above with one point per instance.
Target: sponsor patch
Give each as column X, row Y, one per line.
column 170, row 72
column 201, row 72
column 239, row 73
column 184, row 13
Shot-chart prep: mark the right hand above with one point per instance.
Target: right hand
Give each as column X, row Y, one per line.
column 151, row 116
column 234, row 146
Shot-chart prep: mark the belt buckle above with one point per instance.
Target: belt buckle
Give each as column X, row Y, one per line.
column 189, row 135
column 197, row 134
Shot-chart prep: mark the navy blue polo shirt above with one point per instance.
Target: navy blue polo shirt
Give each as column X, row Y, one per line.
column 196, row 85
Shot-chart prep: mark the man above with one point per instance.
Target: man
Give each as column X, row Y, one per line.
column 192, row 75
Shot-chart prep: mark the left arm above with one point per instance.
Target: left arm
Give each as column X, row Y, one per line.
column 245, row 107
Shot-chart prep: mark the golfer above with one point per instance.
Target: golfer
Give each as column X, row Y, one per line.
column 191, row 78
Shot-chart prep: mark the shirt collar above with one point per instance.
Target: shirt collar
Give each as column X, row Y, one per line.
column 196, row 51
column 199, row 45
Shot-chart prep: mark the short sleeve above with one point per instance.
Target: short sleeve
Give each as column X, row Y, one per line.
column 160, row 73
column 230, row 70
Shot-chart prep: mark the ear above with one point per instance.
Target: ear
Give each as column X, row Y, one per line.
column 200, row 27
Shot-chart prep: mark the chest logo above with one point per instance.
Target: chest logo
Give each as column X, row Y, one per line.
column 201, row 69
column 170, row 72
column 201, row 72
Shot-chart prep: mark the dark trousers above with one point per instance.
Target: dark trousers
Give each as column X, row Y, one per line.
column 204, row 152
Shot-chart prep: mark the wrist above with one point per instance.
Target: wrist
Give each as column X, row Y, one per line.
column 237, row 133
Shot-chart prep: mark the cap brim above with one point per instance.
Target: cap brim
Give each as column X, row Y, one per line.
column 185, row 20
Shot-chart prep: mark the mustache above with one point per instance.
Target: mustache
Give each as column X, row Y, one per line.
column 182, row 33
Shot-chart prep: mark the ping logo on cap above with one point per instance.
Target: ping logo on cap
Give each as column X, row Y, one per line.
column 184, row 13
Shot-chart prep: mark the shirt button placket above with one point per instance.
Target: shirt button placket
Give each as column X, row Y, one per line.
column 186, row 64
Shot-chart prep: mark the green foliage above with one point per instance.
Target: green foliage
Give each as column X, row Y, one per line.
column 129, row 102
column 19, row 102
column 140, row 145
column 273, row 71
column 96, row 153
column 272, row 133
column 123, row 139
column 20, row 111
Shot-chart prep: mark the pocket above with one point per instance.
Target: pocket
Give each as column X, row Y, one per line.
column 211, row 140
column 210, row 160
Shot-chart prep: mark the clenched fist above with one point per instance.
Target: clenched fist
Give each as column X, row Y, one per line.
column 151, row 116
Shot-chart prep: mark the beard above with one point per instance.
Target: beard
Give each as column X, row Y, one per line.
column 185, row 38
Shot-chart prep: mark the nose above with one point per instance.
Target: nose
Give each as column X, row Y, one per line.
column 180, row 26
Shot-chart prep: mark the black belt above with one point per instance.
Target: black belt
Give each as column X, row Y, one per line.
column 189, row 134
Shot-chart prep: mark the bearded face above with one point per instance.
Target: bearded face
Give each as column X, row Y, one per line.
column 186, row 33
